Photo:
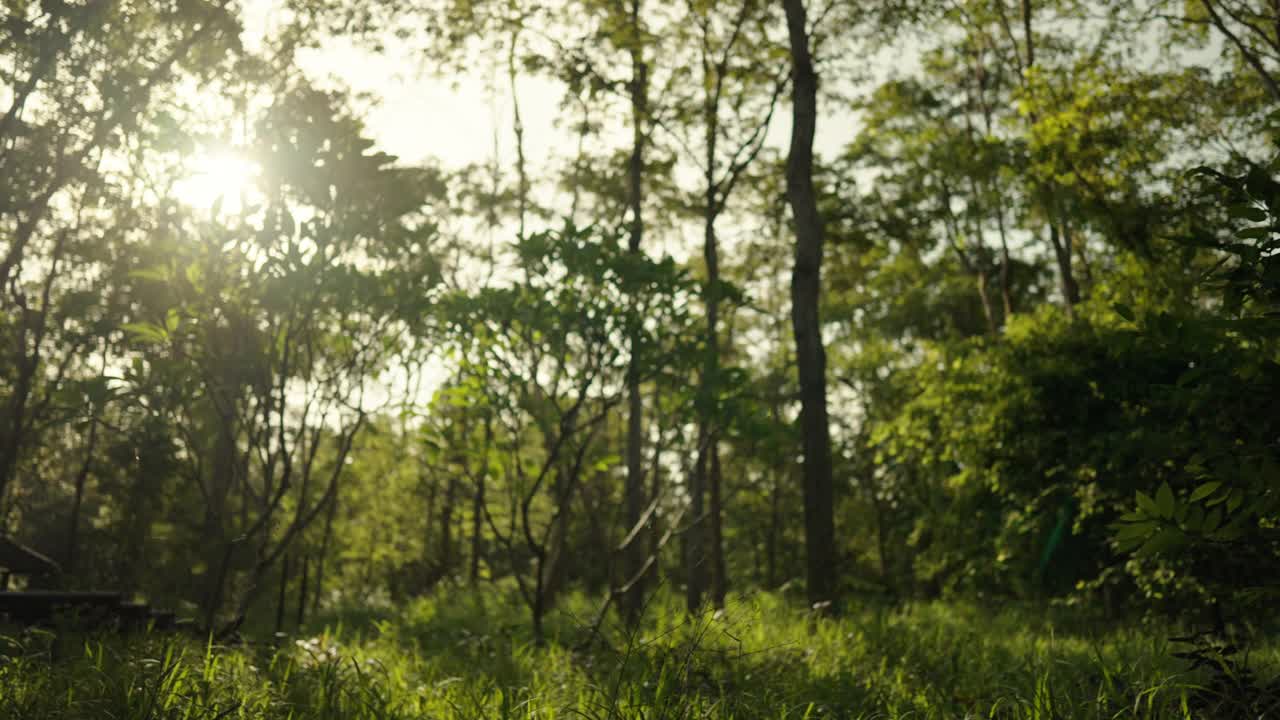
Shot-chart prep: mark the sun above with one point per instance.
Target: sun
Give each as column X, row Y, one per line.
column 222, row 178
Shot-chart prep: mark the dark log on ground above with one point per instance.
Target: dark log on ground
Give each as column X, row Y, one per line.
column 90, row 610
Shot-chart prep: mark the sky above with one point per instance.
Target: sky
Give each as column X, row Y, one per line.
column 418, row 117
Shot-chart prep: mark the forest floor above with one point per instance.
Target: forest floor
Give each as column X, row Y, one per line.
column 468, row 655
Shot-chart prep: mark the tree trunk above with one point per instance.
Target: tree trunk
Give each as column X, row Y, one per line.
column 694, row 555
column 771, row 536
column 219, row 545
column 324, row 552
column 633, row 554
column 1006, row 291
column 73, row 528
column 1061, row 243
column 806, row 288
column 716, row 511
column 446, row 527
column 302, row 592
column 477, row 504
column 284, row 587
column 710, row 391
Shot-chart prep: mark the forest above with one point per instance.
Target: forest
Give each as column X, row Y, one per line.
column 798, row 359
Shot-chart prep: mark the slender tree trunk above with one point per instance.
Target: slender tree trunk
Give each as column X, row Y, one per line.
column 11, row 440
column 446, row 527
column 771, row 537
column 984, row 296
column 1082, row 252
column 219, row 545
column 302, row 592
column 73, row 528
column 1027, row 34
column 477, row 503
column 633, row 555
column 719, row 582
column 1006, row 291
column 517, row 124
column 284, row 587
column 325, row 540
column 1061, row 243
column 539, row 635
column 428, row 531
column 710, row 391
column 806, row 288
column 694, row 547
column 882, row 541
column 654, row 546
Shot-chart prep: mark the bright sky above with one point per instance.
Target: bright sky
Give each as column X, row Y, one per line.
column 418, row 117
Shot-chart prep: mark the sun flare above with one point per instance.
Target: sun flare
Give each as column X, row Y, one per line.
column 221, row 178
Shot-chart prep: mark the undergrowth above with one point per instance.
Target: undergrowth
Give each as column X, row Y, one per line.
column 467, row 655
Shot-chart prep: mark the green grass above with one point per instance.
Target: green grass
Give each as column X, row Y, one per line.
column 462, row 655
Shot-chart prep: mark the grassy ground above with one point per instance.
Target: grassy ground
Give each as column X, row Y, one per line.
column 468, row 656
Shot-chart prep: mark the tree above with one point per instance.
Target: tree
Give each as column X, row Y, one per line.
column 806, row 286
column 273, row 327
column 78, row 98
column 728, row 115
column 548, row 349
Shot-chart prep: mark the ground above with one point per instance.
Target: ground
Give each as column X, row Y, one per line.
column 463, row 654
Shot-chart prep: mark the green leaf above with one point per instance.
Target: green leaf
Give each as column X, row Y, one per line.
column 1248, row 212
column 1147, row 505
column 1195, row 519
column 1134, row 530
column 1163, row 541
column 1123, row 311
column 1205, row 490
column 158, row 273
column 1237, row 498
column 606, row 462
column 1211, row 521
column 1129, row 544
column 147, row 332
column 1164, row 500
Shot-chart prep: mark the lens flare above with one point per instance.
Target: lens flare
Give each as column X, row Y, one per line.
column 223, row 179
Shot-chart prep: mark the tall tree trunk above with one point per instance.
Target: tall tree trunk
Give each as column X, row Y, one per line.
column 446, row 527
column 477, row 503
column 710, row 391
column 633, row 554
column 215, row 535
column 1006, row 291
column 284, row 587
column 1061, row 243
column 806, row 287
column 984, row 296
column 694, row 547
column 73, row 527
column 325, row 541
column 517, row 125
column 302, row 592
column 771, row 536
column 719, row 582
